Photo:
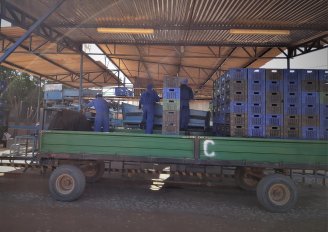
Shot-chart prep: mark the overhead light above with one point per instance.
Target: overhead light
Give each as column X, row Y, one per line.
column 259, row 32
column 126, row 30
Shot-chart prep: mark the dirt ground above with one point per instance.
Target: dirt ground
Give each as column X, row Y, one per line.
column 125, row 204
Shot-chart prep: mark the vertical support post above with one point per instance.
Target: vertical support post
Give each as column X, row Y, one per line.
column 30, row 31
column 81, row 82
column 288, row 63
column 38, row 107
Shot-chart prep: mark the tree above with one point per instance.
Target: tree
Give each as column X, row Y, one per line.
column 21, row 94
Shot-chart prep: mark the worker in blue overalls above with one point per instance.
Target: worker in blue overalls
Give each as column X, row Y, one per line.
column 148, row 101
column 186, row 95
column 102, row 113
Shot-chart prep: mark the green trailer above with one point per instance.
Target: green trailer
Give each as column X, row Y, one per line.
column 260, row 164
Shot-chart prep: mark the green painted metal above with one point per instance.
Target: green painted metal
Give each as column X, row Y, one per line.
column 182, row 147
column 116, row 144
column 264, row 150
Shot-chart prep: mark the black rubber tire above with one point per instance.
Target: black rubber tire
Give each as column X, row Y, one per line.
column 242, row 182
column 67, row 174
column 277, row 183
column 99, row 172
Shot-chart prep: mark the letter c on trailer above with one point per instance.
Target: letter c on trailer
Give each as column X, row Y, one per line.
column 205, row 146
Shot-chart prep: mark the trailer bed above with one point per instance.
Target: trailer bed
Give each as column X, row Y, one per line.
column 185, row 149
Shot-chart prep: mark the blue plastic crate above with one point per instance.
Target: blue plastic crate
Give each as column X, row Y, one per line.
column 256, row 86
column 292, row 98
column 171, row 93
column 310, row 133
column 292, row 75
column 309, row 75
column 310, row 98
column 308, row 109
column 273, row 120
column 323, row 120
column 256, row 108
column 292, row 109
column 256, row 131
column 255, row 75
column 323, row 109
column 323, row 79
column 53, row 95
column 237, row 74
column 292, row 81
column 256, row 120
column 323, row 75
column 256, row 97
column 236, row 107
column 323, row 133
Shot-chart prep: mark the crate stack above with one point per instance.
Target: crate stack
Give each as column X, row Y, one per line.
column 256, row 102
column 310, row 104
column 171, row 106
column 220, row 98
column 323, row 108
column 274, row 103
column 292, row 104
column 234, row 102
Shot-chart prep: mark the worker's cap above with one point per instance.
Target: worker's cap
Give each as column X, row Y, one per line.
column 184, row 81
column 99, row 95
column 150, row 86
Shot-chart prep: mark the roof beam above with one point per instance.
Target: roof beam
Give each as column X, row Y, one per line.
column 217, row 67
column 19, row 18
column 31, row 29
column 109, row 57
column 199, row 27
column 307, row 47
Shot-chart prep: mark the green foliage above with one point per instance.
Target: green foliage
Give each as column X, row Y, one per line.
column 21, row 92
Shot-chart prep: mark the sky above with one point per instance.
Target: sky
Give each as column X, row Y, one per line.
column 313, row 60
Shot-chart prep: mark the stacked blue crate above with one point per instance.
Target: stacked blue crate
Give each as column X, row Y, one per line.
column 292, row 103
column 236, row 102
column 171, row 106
column 274, row 103
column 310, row 104
column 256, row 102
column 221, row 127
column 323, row 108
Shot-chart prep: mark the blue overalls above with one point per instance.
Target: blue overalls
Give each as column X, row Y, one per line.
column 186, row 94
column 102, row 114
column 148, row 101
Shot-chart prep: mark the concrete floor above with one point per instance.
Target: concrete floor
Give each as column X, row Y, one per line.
column 128, row 204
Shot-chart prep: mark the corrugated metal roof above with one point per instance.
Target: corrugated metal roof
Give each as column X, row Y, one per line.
column 195, row 33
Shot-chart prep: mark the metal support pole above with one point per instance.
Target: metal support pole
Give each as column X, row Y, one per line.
column 38, row 107
column 81, row 82
column 30, row 31
column 288, row 63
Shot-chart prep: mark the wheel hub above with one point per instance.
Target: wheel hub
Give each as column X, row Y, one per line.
column 65, row 184
column 279, row 194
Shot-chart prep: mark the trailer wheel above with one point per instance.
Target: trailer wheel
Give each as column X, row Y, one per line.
column 66, row 183
column 247, row 178
column 277, row 193
column 93, row 171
